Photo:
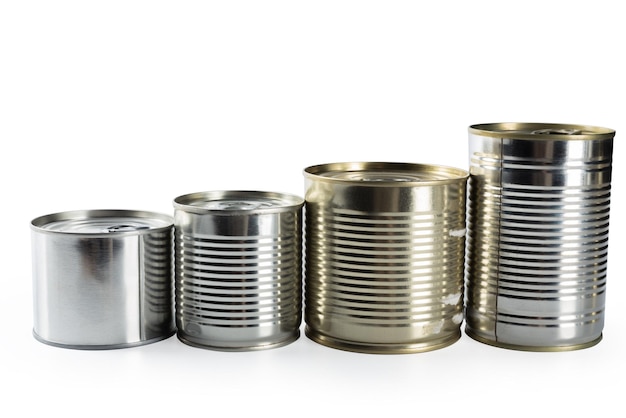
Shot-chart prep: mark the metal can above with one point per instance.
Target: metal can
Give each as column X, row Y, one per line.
column 102, row 279
column 538, row 234
column 384, row 256
column 238, row 269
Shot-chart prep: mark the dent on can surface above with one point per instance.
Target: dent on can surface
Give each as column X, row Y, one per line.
column 238, row 269
column 539, row 198
column 102, row 278
column 384, row 256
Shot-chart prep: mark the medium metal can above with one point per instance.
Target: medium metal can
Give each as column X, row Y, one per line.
column 384, row 256
column 538, row 234
column 238, row 269
column 102, row 279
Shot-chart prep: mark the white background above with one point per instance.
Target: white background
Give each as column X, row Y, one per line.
column 128, row 104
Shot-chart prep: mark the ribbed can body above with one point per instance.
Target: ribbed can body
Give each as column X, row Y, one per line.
column 384, row 256
column 539, row 199
column 102, row 279
column 238, row 269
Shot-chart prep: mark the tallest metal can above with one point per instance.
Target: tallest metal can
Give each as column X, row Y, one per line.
column 538, row 210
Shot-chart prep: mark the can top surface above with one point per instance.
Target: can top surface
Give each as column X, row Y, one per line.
column 385, row 174
column 541, row 131
column 102, row 222
column 237, row 202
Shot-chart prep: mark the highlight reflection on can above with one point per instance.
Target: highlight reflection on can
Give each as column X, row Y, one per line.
column 102, row 279
column 538, row 234
column 238, row 269
column 384, row 253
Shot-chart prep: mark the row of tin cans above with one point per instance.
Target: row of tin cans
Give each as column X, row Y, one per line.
column 385, row 261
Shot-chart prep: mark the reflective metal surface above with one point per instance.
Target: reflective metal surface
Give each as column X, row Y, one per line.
column 538, row 234
column 384, row 256
column 102, row 278
column 238, row 269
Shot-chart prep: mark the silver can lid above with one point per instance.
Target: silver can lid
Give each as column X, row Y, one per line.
column 102, row 222
column 385, row 173
column 233, row 202
column 541, row 131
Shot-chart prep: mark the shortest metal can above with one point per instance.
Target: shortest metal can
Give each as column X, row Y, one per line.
column 238, row 269
column 102, row 279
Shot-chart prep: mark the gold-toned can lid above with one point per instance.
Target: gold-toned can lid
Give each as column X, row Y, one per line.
column 384, row 173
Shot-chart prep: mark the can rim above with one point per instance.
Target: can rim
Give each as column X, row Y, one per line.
column 529, row 130
column 38, row 224
column 451, row 174
column 286, row 202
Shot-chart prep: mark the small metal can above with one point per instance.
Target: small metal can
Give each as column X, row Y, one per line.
column 238, row 269
column 102, row 279
column 384, row 256
column 538, row 234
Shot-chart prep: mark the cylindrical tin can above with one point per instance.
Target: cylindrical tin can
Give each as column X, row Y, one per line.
column 238, row 269
column 538, row 234
column 384, row 256
column 102, row 278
